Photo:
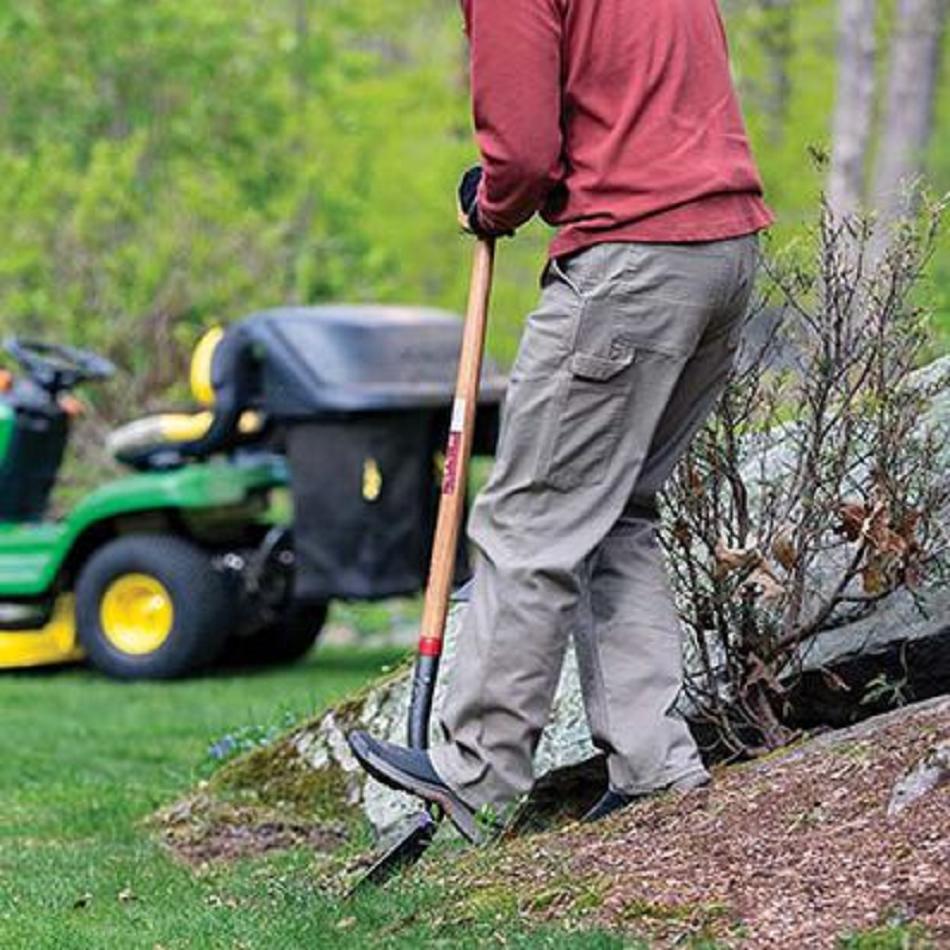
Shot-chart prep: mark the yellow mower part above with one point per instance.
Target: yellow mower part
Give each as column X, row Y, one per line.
column 201, row 385
column 171, row 429
column 182, row 427
column 372, row 480
column 136, row 614
column 54, row 643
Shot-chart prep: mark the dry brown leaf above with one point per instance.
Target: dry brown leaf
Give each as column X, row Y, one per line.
column 695, row 481
column 853, row 515
column 906, row 526
column 783, row 550
column 834, row 681
column 878, row 532
column 734, row 559
column 681, row 532
column 874, row 576
column 764, row 582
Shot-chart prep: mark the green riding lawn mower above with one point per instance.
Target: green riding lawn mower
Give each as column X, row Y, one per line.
column 308, row 471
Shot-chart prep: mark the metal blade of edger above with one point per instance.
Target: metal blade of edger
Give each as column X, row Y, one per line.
column 405, row 852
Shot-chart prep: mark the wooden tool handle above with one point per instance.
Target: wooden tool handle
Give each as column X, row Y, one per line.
column 452, row 504
column 458, row 452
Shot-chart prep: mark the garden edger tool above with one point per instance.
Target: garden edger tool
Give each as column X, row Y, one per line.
column 445, row 545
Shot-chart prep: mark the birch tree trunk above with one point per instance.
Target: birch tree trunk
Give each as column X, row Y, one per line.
column 854, row 106
column 909, row 112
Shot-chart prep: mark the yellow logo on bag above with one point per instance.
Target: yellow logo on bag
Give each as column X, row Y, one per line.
column 372, row 480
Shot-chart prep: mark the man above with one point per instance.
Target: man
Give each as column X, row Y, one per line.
column 618, row 121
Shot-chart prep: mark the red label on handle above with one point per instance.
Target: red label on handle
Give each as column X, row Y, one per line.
column 452, row 453
column 453, row 450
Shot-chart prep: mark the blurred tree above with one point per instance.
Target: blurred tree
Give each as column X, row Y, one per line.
column 776, row 36
column 910, row 100
column 907, row 114
column 854, row 107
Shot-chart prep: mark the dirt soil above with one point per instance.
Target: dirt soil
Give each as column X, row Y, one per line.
column 791, row 851
column 201, row 830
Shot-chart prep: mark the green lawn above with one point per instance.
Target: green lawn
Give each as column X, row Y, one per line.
column 87, row 760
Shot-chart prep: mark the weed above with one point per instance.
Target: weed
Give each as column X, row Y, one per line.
column 892, row 936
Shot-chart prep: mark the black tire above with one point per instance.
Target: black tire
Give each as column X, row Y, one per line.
column 283, row 641
column 201, row 598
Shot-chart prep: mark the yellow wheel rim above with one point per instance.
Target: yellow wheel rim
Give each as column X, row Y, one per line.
column 136, row 614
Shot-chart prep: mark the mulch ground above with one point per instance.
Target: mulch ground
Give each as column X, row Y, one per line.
column 791, row 851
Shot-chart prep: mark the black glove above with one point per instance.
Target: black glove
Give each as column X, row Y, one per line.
column 468, row 205
column 467, row 201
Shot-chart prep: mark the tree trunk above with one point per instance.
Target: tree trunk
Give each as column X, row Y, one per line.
column 854, row 107
column 909, row 115
column 775, row 34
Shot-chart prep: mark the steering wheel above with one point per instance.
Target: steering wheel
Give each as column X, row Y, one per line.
column 56, row 368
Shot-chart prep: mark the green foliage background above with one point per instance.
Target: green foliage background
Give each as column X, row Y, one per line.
column 171, row 164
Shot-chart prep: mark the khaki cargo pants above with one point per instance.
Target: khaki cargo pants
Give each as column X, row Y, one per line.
column 617, row 370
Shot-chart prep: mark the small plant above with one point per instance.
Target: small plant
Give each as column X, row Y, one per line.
column 882, row 689
column 489, row 821
column 235, row 743
column 893, row 936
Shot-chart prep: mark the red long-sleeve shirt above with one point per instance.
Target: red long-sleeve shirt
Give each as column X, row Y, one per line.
column 616, row 119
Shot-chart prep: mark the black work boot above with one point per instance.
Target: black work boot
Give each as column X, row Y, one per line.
column 410, row 770
column 613, row 801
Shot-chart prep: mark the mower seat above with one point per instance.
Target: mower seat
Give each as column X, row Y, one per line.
column 157, row 441
column 219, row 384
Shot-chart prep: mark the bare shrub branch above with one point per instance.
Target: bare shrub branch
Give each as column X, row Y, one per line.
column 810, row 495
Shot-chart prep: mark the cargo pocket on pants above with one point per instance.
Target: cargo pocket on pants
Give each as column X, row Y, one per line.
column 589, row 415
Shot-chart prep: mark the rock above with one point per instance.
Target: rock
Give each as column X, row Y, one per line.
column 900, row 652
column 929, row 775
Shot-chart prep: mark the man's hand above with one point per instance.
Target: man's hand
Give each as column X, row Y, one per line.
column 468, row 200
column 468, row 205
